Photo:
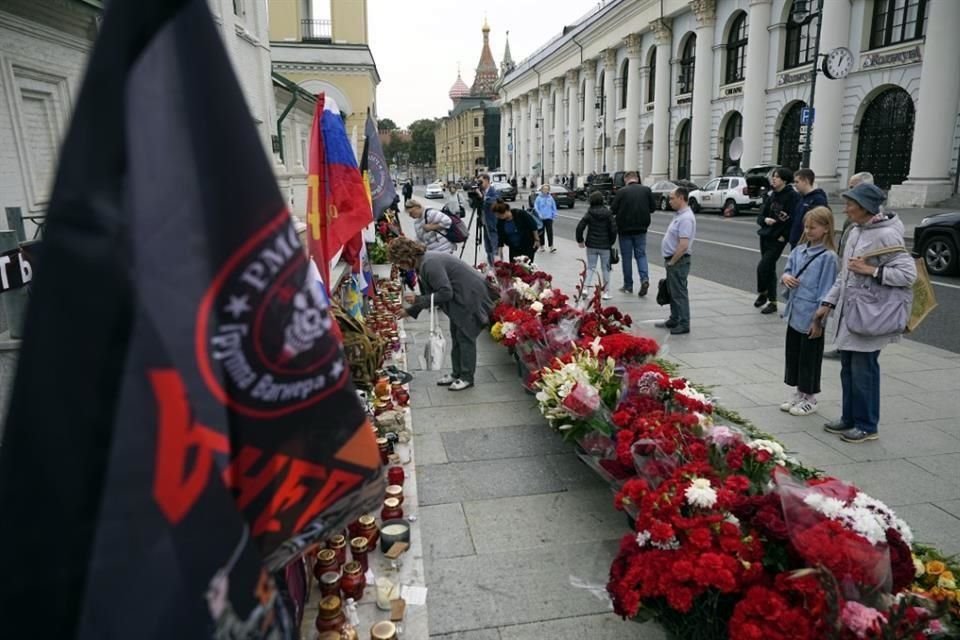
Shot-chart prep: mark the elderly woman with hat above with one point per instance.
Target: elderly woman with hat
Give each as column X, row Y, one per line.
column 459, row 291
column 875, row 279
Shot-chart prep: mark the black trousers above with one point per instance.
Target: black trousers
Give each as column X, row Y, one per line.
column 548, row 231
column 526, row 250
column 770, row 251
column 804, row 359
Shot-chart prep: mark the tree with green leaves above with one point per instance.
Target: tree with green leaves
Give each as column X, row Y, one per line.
column 386, row 124
column 422, row 145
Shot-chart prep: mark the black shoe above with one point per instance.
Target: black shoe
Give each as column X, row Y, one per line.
column 836, row 426
column 679, row 331
column 644, row 287
column 770, row 308
column 625, row 290
column 833, row 354
column 760, row 301
column 666, row 324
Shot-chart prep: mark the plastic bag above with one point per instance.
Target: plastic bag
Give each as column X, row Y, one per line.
column 436, row 345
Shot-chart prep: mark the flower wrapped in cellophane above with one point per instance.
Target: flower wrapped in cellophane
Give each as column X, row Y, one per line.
column 577, row 393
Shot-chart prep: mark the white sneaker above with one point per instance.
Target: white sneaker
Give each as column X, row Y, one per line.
column 789, row 404
column 606, row 296
column 446, row 380
column 803, row 408
column 460, row 385
column 553, row 249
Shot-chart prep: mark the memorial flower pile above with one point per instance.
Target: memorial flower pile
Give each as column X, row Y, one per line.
column 731, row 537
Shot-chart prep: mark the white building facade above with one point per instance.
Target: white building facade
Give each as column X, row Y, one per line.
column 631, row 88
column 44, row 48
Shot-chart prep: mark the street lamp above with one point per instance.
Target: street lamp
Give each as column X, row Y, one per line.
column 602, row 126
column 799, row 14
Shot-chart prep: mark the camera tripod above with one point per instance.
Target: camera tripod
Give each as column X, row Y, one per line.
column 478, row 241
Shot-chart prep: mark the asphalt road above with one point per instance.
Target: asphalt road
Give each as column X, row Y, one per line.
column 727, row 252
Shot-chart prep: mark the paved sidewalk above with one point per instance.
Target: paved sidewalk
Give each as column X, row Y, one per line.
column 511, row 519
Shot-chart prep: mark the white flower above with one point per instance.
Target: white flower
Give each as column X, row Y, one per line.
column 536, row 307
column 542, row 397
column 595, row 346
column 643, row 538
column 918, row 568
column 732, row 519
column 508, row 329
column 565, row 427
column 775, row 449
column 546, row 295
column 701, row 494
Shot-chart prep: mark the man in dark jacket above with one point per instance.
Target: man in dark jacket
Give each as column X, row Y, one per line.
column 631, row 208
column 810, row 198
column 774, row 220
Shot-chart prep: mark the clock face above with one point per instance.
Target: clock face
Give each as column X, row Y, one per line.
column 838, row 63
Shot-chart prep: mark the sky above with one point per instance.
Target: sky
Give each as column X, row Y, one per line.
column 418, row 43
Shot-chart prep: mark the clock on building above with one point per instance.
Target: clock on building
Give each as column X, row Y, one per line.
column 838, row 63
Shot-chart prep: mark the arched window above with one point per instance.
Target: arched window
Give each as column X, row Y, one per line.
column 737, row 48
column 897, row 21
column 732, row 130
column 624, row 74
column 683, row 150
column 652, row 76
column 801, row 40
column 601, row 92
column 789, row 154
column 688, row 62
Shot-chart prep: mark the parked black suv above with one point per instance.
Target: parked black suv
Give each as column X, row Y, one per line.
column 936, row 239
column 602, row 182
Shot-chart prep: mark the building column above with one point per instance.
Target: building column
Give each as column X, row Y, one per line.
column 558, row 102
column 610, row 114
column 755, row 83
column 589, row 71
column 643, row 166
column 631, row 138
column 661, row 106
column 702, row 133
column 533, row 147
column 573, row 120
column 825, row 145
column 929, row 181
column 523, row 152
column 546, row 126
column 507, row 155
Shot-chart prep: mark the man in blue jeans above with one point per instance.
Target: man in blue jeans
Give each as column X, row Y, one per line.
column 631, row 208
column 676, row 248
column 491, row 241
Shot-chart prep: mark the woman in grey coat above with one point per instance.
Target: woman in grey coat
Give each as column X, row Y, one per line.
column 459, row 291
column 886, row 280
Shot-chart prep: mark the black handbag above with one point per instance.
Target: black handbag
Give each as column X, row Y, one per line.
column 614, row 255
column 663, row 293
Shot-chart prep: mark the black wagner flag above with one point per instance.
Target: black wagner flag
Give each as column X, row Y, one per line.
column 373, row 166
column 189, row 419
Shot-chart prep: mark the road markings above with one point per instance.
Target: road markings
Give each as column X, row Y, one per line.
column 937, row 283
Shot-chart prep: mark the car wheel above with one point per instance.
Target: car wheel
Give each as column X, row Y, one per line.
column 730, row 209
column 664, row 204
column 940, row 255
column 694, row 205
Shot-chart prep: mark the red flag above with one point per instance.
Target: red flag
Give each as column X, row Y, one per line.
column 338, row 204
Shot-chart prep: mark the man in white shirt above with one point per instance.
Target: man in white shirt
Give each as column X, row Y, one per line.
column 676, row 248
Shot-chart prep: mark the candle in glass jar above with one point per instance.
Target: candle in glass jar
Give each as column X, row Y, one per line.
column 391, row 510
column 384, row 445
column 368, row 529
column 358, row 549
column 339, row 545
column 330, row 617
column 353, row 581
column 330, row 584
column 395, row 475
column 326, row 561
column 395, row 491
column 383, row 631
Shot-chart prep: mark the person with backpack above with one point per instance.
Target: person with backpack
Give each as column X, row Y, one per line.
column 430, row 225
column 601, row 233
column 517, row 230
column 545, row 208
